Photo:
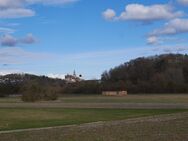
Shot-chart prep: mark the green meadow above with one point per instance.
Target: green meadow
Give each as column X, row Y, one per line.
column 24, row 118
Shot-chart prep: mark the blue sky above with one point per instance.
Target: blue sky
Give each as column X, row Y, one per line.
column 55, row 37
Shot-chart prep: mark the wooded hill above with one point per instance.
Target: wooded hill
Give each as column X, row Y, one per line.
column 20, row 83
column 34, row 87
column 157, row 74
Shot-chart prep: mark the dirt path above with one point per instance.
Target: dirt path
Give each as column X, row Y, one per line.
column 97, row 105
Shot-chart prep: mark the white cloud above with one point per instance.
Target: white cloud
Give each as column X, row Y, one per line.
column 183, row 2
column 19, row 8
column 10, row 41
column 139, row 12
column 16, row 55
column 171, row 49
column 14, row 9
column 109, row 14
column 152, row 40
column 6, row 30
column 16, row 13
column 28, row 39
column 175, row 26
column 10, row 3
column 51, row 1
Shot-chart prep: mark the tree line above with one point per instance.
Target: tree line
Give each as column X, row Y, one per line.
column 166, row 73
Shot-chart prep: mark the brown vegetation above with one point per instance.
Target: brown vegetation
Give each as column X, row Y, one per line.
column 156, row 74
column 33, row 91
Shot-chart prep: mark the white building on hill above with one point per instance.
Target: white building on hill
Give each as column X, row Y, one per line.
column 73, row 78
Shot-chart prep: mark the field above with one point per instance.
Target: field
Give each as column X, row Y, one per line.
column 150, row 98
column 177, row 101
column 78, row 118
column 173, row 127
column 35, row 118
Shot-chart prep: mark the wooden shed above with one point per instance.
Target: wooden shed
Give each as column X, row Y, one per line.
column 114, row 93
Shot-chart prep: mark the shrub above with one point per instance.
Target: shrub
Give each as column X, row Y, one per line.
column 30, row 97
column 33, row 91
column 7, row 89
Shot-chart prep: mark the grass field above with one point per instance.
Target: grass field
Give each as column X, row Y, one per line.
column 173, row 127
column 15, row 114
column 150, row 98
column 12, row 119
column 178, row 101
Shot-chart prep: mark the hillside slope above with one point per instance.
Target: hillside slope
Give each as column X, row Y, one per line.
column 157, row 74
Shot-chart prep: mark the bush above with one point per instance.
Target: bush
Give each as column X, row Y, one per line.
column 2, row 95
column 30, row 97
column 33, row 97
column 33, row 91
column 50, row 94
column 7, row 89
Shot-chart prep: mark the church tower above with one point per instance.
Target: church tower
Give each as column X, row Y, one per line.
column 74, row 73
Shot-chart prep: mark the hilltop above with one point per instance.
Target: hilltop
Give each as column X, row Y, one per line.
column 167, row 73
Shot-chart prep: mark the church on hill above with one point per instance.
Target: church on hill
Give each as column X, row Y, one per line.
column 73, row 78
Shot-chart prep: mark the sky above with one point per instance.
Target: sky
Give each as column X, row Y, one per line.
column 56, row 37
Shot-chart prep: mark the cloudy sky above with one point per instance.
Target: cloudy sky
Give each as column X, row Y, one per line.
column 55, row 37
